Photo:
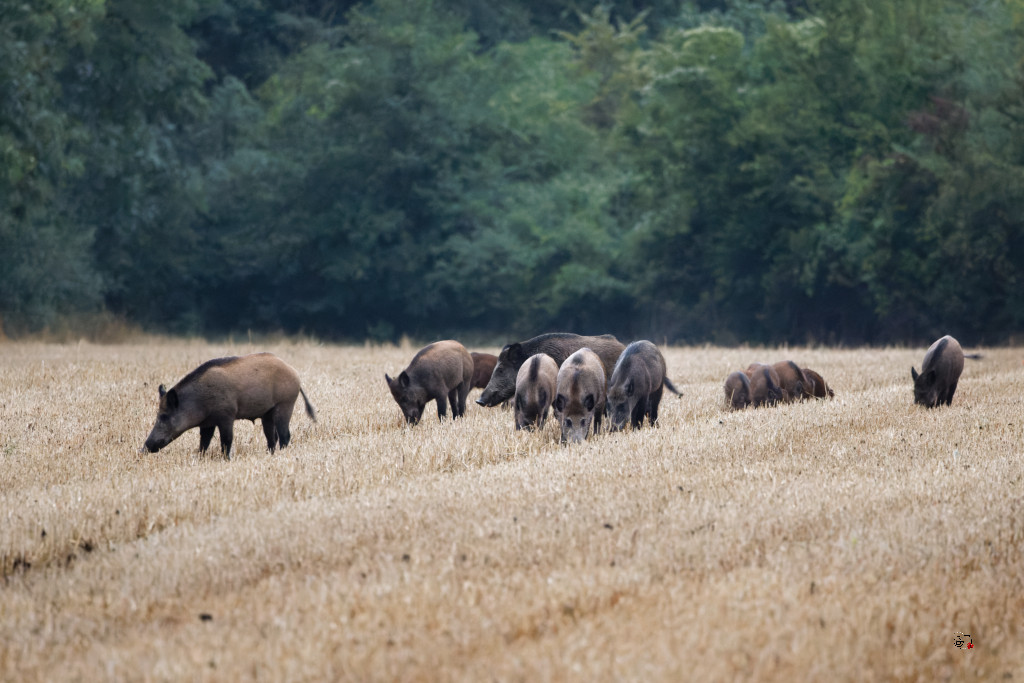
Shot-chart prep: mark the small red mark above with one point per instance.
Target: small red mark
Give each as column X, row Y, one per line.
column 970, row 646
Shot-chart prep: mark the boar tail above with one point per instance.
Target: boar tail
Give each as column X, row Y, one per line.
column 671, row 387
column 973, row 356
column 309, row 407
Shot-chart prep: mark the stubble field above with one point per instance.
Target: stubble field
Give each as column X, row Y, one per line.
column 832, row 540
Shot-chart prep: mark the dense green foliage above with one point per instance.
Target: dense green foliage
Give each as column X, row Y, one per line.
column 840, row 171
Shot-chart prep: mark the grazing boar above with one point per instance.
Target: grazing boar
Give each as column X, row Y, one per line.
column 442, row 372
column 737, row 390
column 940, row 372
column 558, row 345
column 819, row 388
column 223, row 390
column 483, row 366
column 637, row 384
column 794, row 384
column 764, row 385
column 580, row 395
column 535, row 390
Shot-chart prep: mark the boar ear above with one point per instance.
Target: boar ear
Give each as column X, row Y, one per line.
column 630, row 388
column 559, row 403
column 913, row 373
column 162, row 391
column 589, row 402
column 388, row 379
column 403, row 379
column 172, row 399
column 515, row 353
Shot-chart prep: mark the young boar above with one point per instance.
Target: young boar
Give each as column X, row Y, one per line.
column 558, row 345
column 819, row 388
column 442, row 372
column 580, row 395
column 764, row 385
column 483, row 366
column 737, row 390
column 940, row 372
column 535, row 390
column 794, row 384
column 223, row 390
column 637, row 384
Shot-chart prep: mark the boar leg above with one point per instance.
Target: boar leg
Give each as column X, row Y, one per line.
column 227, row 433
column 282, row 418
column 205, row 437
column 949, row 394
column 442, row 406
column 653, row 401
column 597, row 422
column 453, row 398
column 463, row 394
column 269, row 427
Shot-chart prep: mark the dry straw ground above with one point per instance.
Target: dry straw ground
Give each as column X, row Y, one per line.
column 833, row 540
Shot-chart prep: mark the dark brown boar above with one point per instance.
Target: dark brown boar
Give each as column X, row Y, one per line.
column 442, row 372
column 483, row 366
column 558, row 345
column 819, row 387
column 764, row 385
column 940, row 372
column 580, row 395
column 223, row 390
column 737, row 390
column 794, row 384
column 535, row 390
column 636, row 386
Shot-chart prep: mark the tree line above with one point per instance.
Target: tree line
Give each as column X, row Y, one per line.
column 803, row 171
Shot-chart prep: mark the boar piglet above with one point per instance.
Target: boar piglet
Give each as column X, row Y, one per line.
column 637, row 383
column 794, row 384
column 764, row 385
column 580, row 395
column 535, row 390
column 737, row 390
column 558, row 345
column 223, row 390
column 819, row 387
column 940, row 372
column 442, row 372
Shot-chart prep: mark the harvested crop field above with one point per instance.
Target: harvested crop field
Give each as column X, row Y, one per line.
column 849, row 539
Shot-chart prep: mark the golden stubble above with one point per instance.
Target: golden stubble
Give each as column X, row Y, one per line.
column 828, row 540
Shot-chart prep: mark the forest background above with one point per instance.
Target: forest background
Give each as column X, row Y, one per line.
column 807, row 171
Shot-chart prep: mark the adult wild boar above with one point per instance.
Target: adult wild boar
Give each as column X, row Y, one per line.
column 819, row 387
column 764, row 385
column 580, row 395
column 940, row 372
column 794, row 384
column 535, row 390
column 483, row 366
column 737, row 390
column 637, row 383
column 558, row 345
column 442, row 372
column 223, row 390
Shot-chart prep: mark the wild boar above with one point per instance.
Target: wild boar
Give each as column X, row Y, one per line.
column 558, row 345
column 737, row 390
column 535, row 390
column 819, row 387
column 764, row 385
column 442, row 372
column 940, row 372
column 223, row 390
column 483, row 366
column 580, row 395
column 637, row 384
column 794, row 384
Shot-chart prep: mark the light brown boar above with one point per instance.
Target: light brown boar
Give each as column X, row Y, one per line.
column 558, row 345
column 223, row 390
column 580, row 395
column 483, row 366
column 737, row 390
column 819, row 387
column 940, row 373
column 535, row 391
column 764, row 385
column 636, row 386
column 794, row 384
column 442, row 372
